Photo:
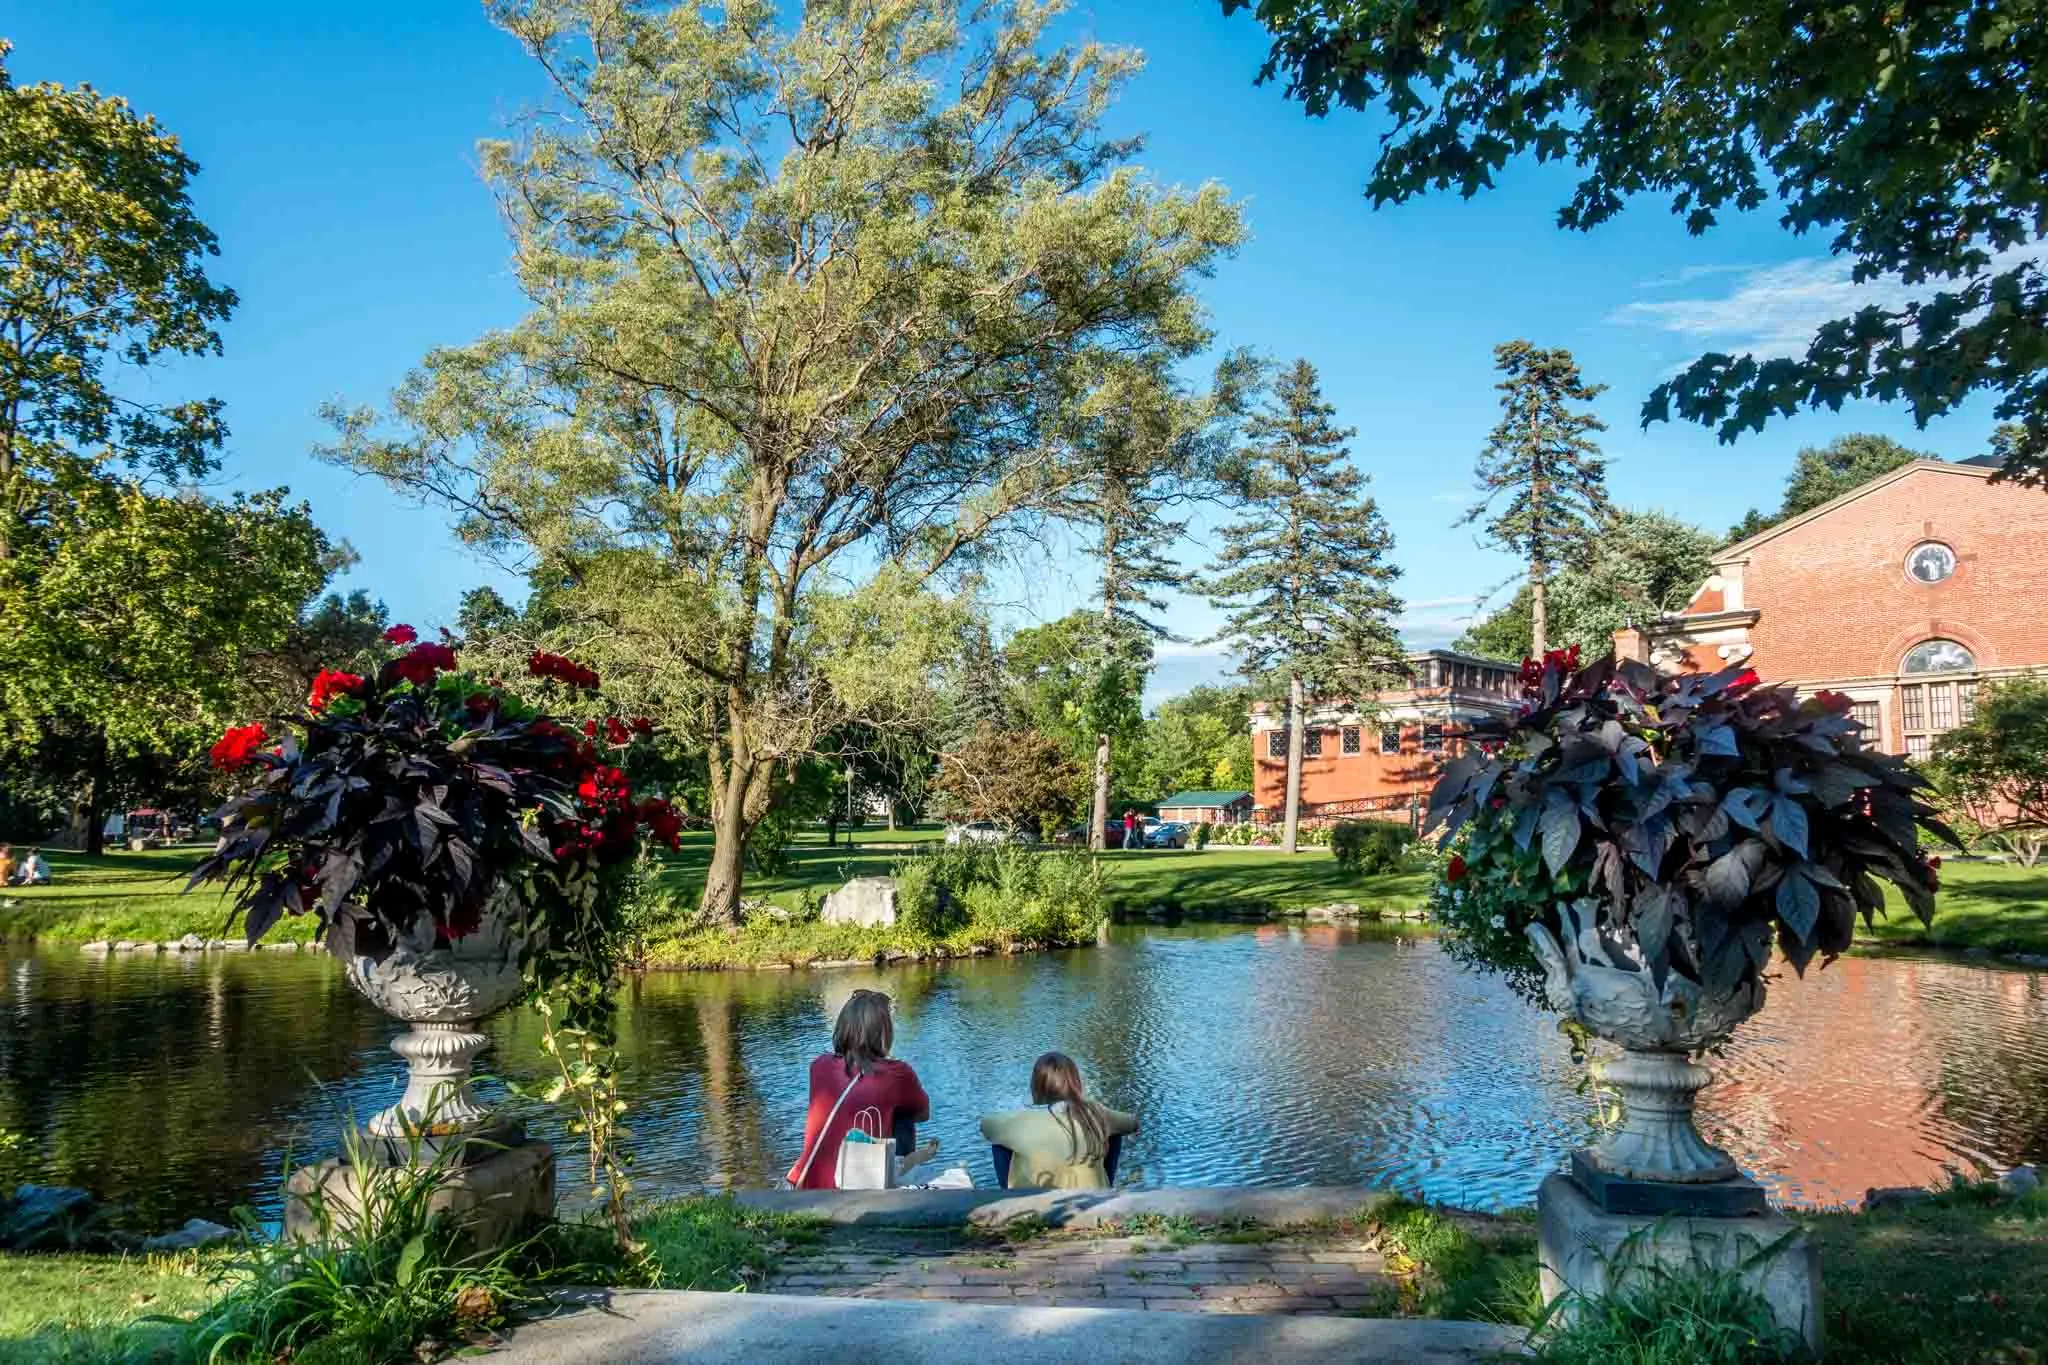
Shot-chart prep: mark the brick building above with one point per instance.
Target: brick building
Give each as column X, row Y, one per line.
column 1904, row 594
column 1354, row 763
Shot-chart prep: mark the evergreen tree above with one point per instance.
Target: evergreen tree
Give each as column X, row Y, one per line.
column 1304, row 576
column 1543, row 469
column 1146, row 450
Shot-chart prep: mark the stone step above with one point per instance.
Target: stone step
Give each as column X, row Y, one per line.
column 658, row 1326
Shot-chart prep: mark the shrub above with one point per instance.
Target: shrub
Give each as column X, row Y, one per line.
column 1005, row 891
column 1661, row 1316
column 1370, row 848
column 1202, row 834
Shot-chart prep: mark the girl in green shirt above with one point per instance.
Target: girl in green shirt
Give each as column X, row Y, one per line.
column 1059, row 1143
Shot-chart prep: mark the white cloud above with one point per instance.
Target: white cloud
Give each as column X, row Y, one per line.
column 1432, row 603
column 1775, row 310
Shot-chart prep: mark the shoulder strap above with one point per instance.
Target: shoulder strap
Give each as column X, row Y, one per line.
column 857, row 1074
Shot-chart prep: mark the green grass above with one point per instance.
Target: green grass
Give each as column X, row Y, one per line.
column 123, row 895
column 1999, row 906
column 84, row 1308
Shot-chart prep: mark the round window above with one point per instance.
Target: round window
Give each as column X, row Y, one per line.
column 1930, row 562
column 1937, row 656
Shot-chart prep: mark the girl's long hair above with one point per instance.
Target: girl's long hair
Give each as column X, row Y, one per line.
column 864, row 1031
column 1055, row 1079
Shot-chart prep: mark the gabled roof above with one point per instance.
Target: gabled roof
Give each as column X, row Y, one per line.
column 1969, row 469
column 1204, row 798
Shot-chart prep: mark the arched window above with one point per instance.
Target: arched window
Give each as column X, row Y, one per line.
column 1937, row 656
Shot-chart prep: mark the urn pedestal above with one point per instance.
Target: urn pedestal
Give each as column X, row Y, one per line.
column 490, row 1175
column 1652, row 1194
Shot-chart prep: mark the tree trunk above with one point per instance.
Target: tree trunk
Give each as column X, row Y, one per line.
column 721, row 903
column 1101, row 805
column 1295, row 718
column 1539, row 616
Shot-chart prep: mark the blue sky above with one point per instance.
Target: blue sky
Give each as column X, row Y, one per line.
column 339, row 172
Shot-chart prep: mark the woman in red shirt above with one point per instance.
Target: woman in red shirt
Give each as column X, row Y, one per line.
column 860, row 1060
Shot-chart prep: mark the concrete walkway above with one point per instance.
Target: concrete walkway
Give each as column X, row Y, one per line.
column 773, row 1329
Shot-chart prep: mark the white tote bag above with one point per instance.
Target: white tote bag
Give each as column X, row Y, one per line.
column 867, row 1160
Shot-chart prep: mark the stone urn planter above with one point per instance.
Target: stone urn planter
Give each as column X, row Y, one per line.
column 444, row 991
column 1659, row 1030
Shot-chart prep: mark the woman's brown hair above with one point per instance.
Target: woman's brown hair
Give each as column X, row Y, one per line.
column 864, row 1031
column 1056, row 1080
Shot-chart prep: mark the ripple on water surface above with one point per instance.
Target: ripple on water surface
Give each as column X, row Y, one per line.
column 1265, row 1056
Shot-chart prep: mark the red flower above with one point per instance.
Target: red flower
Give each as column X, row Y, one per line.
column 400, row 635
column 1747, row 678
column 664, row 825
column 330, row 683
column 419, row 664
column 590, row 729
column 642, row 726
column 605, row 789
column 479, row 704
column 235, row 748
column 615, row 732
column 544, row 665
column 1455, row 872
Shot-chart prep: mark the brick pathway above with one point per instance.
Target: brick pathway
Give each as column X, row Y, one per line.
column 1333, row 1274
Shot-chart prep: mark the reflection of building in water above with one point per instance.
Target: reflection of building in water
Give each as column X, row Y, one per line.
column 1871, row 1073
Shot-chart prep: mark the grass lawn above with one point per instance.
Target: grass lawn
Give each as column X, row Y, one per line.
column 2000, row 906
column 123, row 895
column 73, row 1308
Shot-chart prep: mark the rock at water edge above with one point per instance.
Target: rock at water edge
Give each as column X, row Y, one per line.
column 869, row 902
column 197, row 1232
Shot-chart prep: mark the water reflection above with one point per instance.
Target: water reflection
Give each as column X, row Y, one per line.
column 1271, row 1056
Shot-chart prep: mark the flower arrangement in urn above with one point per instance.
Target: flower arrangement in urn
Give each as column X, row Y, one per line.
column 1632, row 848
column 458, row 845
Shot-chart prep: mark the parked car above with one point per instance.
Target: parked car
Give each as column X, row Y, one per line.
column 1166, row 834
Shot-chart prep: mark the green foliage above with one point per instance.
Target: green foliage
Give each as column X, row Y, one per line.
column 1697, row 1315
column 1544, row 483
column 1823, row 473
column 1912, row 145
column 1693, row 819
column 1642, row 564
column 1201, row 839
column 1304, row 576
column 1077, row 678
column 793, row 362
column 1020, row 779
column 1013, row 893
column 1198, row 741
column 715, row 1243
column 384, row 1273
column 1370, row 848
column 1458, row 1274
column 1994, row 768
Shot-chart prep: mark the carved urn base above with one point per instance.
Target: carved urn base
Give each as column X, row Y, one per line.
column 444, row 991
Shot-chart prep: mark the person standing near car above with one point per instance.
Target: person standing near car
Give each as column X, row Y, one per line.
column 1131, row 839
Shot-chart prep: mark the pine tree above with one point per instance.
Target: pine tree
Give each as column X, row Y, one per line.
column 1147, row 451
column 1542, row 467
column 1304, row 576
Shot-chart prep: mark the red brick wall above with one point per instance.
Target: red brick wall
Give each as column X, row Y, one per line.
column 1337, row 776
column 1837, row 603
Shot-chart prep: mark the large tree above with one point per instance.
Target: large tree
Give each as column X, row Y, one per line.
column 131, row 610
column 805, row 286
column 1911, row 135
column 133, row 620
column 102, row 273
column 1823, row 473
column 1994, row 768
column 1303, row 575
column 1144, row 451
column 1643, row 564
column 1544, row 482
column 1199, row 740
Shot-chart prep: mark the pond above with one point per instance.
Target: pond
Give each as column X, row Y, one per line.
column 177, row 1085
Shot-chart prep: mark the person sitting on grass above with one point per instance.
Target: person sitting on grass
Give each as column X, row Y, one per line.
column 1062, row 1141
column 35, row 870
column 857, row 1074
